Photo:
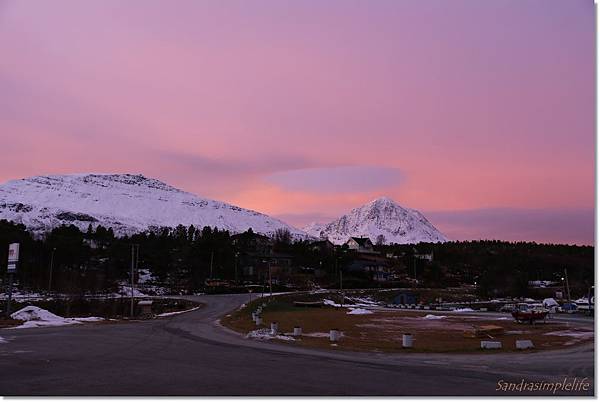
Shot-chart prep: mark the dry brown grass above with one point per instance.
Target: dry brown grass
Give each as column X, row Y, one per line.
column 382, row 331
column 7, row 323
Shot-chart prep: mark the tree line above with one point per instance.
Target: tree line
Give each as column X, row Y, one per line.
column 182, row 258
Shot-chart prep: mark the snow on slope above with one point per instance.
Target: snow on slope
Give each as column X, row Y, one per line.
column 382, row 216
column 127, row 203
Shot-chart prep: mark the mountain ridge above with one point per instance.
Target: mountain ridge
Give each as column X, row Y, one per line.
column 128, row 203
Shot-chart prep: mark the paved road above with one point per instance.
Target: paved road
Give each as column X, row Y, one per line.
column 190, row 354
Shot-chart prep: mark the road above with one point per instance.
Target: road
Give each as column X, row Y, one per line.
column 190, row 354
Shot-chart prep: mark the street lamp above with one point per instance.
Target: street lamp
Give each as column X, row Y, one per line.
column 268, row 262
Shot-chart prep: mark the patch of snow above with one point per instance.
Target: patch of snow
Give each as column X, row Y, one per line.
column 328, row 302
column 24, row 296
column 35, row 317
column 265, row 334
column 177, row 312
column 463, row 310
column 144, row 275
column 359, row 311
column 434, row 317
column 502, row 318
column 125, row 290
column 87, row 319
column 317, row 335
column 572, row 334
column 33, row 313
column 3, row 340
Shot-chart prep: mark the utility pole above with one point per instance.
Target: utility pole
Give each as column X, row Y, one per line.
column 270, row 283
column 567, row 283
column 51, row 267
column 13, row 260
column 415, row 267
column 341, row 289
column 211, row 264
column 235, row 267
column 132, row 268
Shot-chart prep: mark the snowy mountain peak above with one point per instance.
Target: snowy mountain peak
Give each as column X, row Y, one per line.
column 128, row 203
column 380, row 217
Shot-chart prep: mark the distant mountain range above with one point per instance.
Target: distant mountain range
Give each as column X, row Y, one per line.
column 133, row 203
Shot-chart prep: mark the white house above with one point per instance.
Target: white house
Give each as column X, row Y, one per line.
column 360, row 244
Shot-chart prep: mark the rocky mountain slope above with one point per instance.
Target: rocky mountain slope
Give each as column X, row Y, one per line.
column 127, row 203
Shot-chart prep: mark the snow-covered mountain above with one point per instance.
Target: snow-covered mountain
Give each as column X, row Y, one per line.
column 127, row 203
column 380, row 217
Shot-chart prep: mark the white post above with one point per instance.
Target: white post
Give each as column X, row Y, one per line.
column 407, row 341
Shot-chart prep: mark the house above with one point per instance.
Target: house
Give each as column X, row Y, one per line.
column 256, row 266
column 360, row 244
column 377, row 271
column 423, row 256
column 322, row 246
column 252, row 242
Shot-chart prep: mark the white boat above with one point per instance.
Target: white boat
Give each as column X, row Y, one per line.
column 583, row 304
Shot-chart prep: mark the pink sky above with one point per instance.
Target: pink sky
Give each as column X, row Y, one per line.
column 478, row 113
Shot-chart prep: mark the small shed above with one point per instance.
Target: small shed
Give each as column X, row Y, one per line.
column 145, row 307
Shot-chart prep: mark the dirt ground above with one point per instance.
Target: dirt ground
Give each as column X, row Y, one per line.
column 382, row 331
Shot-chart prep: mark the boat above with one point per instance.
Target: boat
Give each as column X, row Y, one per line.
column 584, row 304
column 526, row 313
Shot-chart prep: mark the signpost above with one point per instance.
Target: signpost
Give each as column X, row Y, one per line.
column 13, row 259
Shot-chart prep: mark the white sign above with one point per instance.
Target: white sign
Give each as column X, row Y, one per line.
column 13, row 257
column 13, row 252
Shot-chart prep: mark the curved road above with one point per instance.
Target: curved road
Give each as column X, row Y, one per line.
column 190, row 354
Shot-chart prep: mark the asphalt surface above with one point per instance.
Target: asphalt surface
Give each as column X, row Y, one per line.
column 190, row 354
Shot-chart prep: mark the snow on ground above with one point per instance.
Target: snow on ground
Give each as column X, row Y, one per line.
column 3, row 340
column 317, row 335
column 359, row 311
column 361, row 301
column 144, row 275
column 463, row 310
column 265, row 334
column 125, row 290
column 352, row 304
column 23, row 296
column 328, row 302
column 177, row 312
column 34, row 317
column 434, row 317
column 572, row 334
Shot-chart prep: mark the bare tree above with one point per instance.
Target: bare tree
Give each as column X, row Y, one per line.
column 283, row 236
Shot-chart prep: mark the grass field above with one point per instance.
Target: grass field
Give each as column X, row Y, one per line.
column 382, row 331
